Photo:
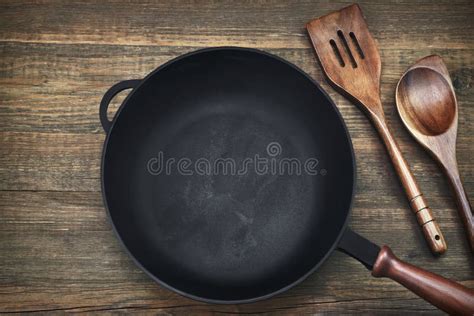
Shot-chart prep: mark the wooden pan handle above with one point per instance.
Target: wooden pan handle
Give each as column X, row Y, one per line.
column 445, row 294
column 425, row 218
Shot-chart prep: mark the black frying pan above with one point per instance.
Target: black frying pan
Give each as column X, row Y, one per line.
column 217, row 235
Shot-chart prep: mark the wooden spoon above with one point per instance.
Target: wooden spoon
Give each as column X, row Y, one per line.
column 427, row 106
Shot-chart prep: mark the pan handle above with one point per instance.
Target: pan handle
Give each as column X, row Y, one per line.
column 445, row 294
column 109, row 95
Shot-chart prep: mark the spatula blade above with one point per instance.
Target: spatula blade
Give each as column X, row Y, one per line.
column 348, row 54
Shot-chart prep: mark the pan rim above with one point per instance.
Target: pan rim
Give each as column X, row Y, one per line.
column 201, row 298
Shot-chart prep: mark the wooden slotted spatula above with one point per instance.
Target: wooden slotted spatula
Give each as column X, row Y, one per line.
column 351, row 61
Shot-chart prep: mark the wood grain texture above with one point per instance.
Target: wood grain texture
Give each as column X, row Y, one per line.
column 57, row 59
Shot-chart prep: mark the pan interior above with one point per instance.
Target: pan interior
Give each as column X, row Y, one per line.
column 217, row 234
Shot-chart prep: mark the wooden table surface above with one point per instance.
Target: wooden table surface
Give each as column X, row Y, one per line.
column 57, row 58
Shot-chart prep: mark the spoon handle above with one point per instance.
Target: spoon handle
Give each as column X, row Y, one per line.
column 424, row 216
column 464, row 207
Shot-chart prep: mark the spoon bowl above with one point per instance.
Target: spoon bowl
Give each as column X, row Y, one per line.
column 426, row 101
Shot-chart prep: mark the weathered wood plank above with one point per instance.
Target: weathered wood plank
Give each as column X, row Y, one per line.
column 269, row 24
column 58, row 87
column 71, row 162
column 59, row 252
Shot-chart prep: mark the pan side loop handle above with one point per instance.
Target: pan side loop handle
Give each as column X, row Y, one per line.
column 445, row 294
column 109, row 95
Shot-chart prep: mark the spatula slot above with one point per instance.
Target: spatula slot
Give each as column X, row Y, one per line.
column 346, row 46
column 337, row 53
column 356, row 44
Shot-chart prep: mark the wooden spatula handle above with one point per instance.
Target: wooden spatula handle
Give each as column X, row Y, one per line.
column 445, row 294
column 425, row 218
